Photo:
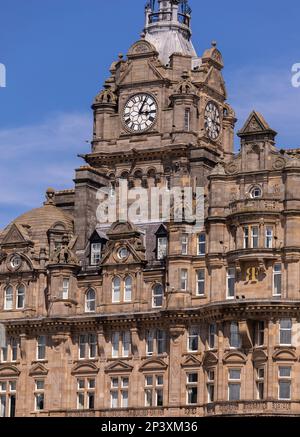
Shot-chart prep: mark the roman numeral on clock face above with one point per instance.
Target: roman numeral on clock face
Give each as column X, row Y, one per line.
column 140, row 112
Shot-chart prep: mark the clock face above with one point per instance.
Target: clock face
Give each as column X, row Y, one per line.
column 140, row 113
column 212, row 121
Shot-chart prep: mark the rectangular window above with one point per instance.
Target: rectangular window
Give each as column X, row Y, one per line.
column 234, row 384
column 210, row 386
column 212, row 332
column 187, row 118
column 260, row 333
column 155, row 342
column 41, row 347
column 86, row 393
column 277, row 280
column 65, row 291
column 95, row 253
column 285, row 332
column 284, row 383
column 230, row 283
column 154, row 391
column 193, row 340
column 192, row 388
column 201, row 282
column 87, row 346
column 254, row 237
column 39, row 395
column 4, row 354
column 269, row 237
column 184, row 244
column 201, row 244
column 119, row 392
column 260, row 383
column 162, row 248
column 8, row 398
column 235, row 339
column 183, row 279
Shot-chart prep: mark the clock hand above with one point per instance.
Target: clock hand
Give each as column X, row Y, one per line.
column 141, row 109
column 148, row 112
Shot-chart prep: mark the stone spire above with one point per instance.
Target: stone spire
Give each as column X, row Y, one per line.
column 168, row 28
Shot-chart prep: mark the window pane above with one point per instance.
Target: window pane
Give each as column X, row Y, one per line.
column 234, row 374
column 201, row 282
column 285, row 372
column 234, row 392
column 39, row 401
column 192, row 395
column 8, row 304
column 161, row 341
column 90, row 301
column 114, row 399
column 149, row 342
column 158, row 295
column 126, row 344
column 162, row 245
column 20, row 297
column 115, row 344
column 124, row 395
column 2, row 405
column 192, row 377
column 159, row 398
column 201, row 244
column 128, row 289
column 148, row 398
column 284, row 390
column 116, row 290
column 234, row 335
column 91, row 401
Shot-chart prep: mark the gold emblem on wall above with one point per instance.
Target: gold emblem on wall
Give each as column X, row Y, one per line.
column 252, row 274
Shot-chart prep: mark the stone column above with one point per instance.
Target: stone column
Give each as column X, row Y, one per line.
column 176, row 349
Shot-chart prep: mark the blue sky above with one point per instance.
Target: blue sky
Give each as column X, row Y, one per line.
column 57, row 54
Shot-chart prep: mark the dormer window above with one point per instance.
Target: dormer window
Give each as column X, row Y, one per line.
column 161, row 243
column 256, row 193
column 95, row 253
column 97, row 241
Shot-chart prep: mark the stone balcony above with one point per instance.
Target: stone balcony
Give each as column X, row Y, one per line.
column 246, row 206
column 270, row 407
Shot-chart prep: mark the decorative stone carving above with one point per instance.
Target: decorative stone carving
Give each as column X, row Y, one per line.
column 64, row 255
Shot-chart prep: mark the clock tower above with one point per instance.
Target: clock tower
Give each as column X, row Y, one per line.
column 162, row 113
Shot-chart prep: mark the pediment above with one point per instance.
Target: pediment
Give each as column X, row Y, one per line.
column 234, row 357
column 215, row 81
column 255, row 124
column 85, row 368
column 259, row 356
column 191, row 361
column 38, row 369
column 284, row 355
column 153, row 364
column 110, row 255
column 141, row 48
column 15, row 235
column 139, row 70
column 118, row 366
column 210, row 359
column 7, row 370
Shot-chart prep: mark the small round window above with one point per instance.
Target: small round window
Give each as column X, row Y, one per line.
column 16, row 261
column 256, row 193
column 123, row 253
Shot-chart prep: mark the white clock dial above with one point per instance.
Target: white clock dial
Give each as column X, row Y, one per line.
column 140, row 112
column 212, row 121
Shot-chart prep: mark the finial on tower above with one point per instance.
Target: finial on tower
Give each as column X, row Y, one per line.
column 214, row 43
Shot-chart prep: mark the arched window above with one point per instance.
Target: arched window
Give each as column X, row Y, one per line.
column 90, row 301
column 128, row 289
column 20, row 297
column 157, row 296
column 8, row 298
column 116, row 289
